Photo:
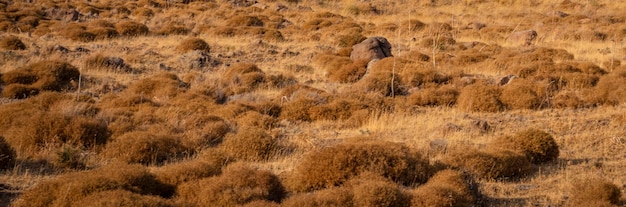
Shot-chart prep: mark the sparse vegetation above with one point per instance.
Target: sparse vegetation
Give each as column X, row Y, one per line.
column 221, row 102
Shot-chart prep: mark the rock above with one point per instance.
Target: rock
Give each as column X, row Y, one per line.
column 370, row 49
column 525, row 37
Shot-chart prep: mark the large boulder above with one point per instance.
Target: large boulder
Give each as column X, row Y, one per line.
column 370, row 49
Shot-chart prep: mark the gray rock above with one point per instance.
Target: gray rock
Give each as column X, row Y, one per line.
column 371, row 48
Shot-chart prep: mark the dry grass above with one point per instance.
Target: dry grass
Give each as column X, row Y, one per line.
column 7, row 155
column 251, row 144
column 594, row 191
column 446, row 188
column 12, row 43
column 480, row 98
column 145, row 148
column 537, row 145
column 47, row 75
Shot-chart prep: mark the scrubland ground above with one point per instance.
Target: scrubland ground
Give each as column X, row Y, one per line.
column 241, row 103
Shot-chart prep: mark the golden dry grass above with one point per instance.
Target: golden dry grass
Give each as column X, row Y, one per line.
column 273, row 86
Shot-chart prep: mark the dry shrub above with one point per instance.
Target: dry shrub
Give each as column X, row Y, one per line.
column 131, row 28
column 105, row 63
column 439, row 42
column 80, row 185
column 446, row 188
column 273, row 36
column 334, row 65
column 610, row 90
column 161, row 85
column 77, row 32
column 256, row 119
column 103, row 33
column 480, row 97
column 298, row 109
column 412, row 73
column 191, row 170
column 567, row 99
column 172, row 29
column 238, row 185
column 348, row 73
column 250, row 143
column 243, row 77
column 498, row 164
column 520, row 94
column 12, row 43
column 373, row 190
column 537, row 145
column 144, row 148
column 121, row 198
column 47, row 75
column 204, row 131
column 245, row 20
column 19, row 91
column 442, row 96
column 193, row 43
column 594, row 190
column 352, row 37
column 332, row 166
column 7, row 155
column 339, row 196
column 280, row 81
column 262, row 203
column 383, row 82
column 338, row 109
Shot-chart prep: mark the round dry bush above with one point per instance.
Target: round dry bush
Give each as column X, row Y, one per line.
column 495, row 164
column 446, row 188
column 243, row 77
column 104, row 63
column 340, row 196
column 250, row 143
column 273, row 36
column 374, row 190
column 567, row 99
column 79, row 185
column 520, row 94
column 537, row 145
column 172, row 29
column 441, row 96
column 131, row 28
column 256, row 119
column 245, row 20
column 121, row 198
column 480, row 98
column 145, row 148
column 19, row 91
column 261, row 203
column 238, row 185
column 193, row 43
column 7, row 155
column 44, row 75
column 280, row 81
column 383, row 82
column 610, row 90
column 203, row 131
column 334, row 165
column 593, row 190
column 338, row 109
column 298, row 109
column 162, row 85
column 78, row 33
column 348, row 73
column 103, row 33
column 12, row 43
column 185, row 171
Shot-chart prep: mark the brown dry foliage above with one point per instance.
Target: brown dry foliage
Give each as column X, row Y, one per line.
column 256, row 119
column 372, row 190
column 121, row 198
column 495, row 164
column 105, row 63
column 446, row 188
column 238, row 185
column 333, row 196
column 77, row 32
column 441, row 96
column 103, row 33
column 348, row 73
column 47, row 75
column 537, row 145
column 610, row 90
column 7, row 155
column 131, row 28
column 520, row 94
column 79, row 185
column 12, row 43
column 383, row 82
column 245, row 20
column 161, row 85
column 338, row 109
column 250, row 143
column 567, row 99
column 205, row 165
column 145, row 148
column 243, row 77
column 332, row 166
column 480, row 98
column 595, row 191
column 203, row 131
column 193, row 43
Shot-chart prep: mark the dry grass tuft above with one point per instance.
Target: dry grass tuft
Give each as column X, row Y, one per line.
column 373, row 190
column 243, row 77
column 47, row 75
column 105, row 63
column 593, row 192
column 520, row 94
column 12, row 43
column 250, row 143
column 7, row 155
column 238, row 185
column 204, row 131
column 131, row 28
column 161, row 85
column 446, row 188
column 80, row 185
column 121, row 198
column 193, row 43
column 480, row 98
column 334, row 165
column 256, row 119
column 537, row 145
column 332, row 196
column 441, row 96
column 191, row 170
column 348, row 73
column 145, row 148
column 381, row 82
column 495, row 164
